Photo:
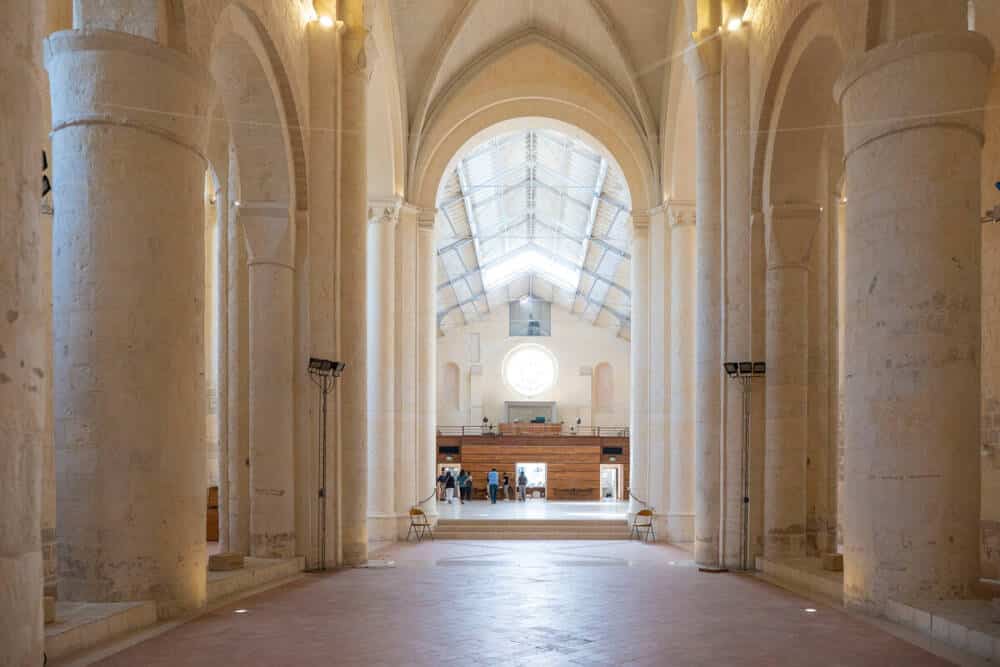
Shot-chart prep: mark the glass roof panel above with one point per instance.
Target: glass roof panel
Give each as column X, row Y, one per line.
column 522, row 212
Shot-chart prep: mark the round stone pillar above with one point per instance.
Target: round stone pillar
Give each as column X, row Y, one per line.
column 789, row 235
column 270, row 238
column 427, row 329
column 913, row 139
column 381, row 313
column 23, row 339
column 129, row 130
column 704, row 65
column 680, row 518
column 638, row 468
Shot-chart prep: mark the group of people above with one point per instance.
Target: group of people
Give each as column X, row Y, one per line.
column 447, row 482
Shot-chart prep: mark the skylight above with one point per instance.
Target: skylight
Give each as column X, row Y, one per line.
column 534, row 213
column 526, row 261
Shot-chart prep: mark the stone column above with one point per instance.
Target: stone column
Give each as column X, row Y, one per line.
column 128, row 289
column 638, row 467
column 427, row 334
column 912, row 487
column 321, row 299
column 270, row 238
column 353, row 474
column 703, row 62
column 23, row 339
column 659, row 346
column 736, row 175
column 789, row 235
column 238, row 362
column 407, row 299
column 683, row 249
column 383, row 217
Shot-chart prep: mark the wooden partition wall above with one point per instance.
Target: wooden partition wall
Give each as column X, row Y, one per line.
column 573, row 463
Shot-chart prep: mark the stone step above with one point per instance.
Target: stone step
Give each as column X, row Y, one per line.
column 520, row 535
column 546, row 523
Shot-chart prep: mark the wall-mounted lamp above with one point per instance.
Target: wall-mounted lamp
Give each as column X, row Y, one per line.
column 734, row 24
column 326, row 21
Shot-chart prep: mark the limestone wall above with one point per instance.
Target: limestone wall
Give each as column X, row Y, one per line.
column 574, row 343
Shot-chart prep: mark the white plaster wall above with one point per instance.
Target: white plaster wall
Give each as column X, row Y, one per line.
column 574, row 343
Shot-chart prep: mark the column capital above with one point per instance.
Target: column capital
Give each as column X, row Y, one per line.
column 789, row 233
column 640, row 221
column 928, row 80
column 426, row 218
column 384, row 211
column 270, row 236
column 681, row 213
column 704, row 57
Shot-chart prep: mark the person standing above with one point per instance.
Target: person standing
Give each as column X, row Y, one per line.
column 440, row 486
column 506, row 487
column 522, row 486
column 449, row 486
column 463, row 485
column 493, row 479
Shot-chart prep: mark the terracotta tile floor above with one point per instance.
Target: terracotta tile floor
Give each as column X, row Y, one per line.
column 527, row 603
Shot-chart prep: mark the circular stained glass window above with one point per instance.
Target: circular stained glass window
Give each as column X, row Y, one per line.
column 529, row 369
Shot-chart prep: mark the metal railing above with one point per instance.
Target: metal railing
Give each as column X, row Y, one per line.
column 567, row 430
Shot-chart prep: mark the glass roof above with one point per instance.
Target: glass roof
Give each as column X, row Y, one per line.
column 534, row 213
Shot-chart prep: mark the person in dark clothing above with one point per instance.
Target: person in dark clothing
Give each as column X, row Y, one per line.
column 506, row 487
column 449, row 486
column 464, row 486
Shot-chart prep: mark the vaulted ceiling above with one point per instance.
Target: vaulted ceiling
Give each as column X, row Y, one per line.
column 627, row 41
column 534, row 213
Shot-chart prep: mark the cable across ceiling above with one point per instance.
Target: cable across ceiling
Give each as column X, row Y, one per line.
column 534, row 214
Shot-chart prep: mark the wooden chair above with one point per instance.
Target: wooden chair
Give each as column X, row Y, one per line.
column 420, row 525
column 642, row 526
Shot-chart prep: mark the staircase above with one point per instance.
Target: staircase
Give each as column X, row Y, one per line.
column 531, row 529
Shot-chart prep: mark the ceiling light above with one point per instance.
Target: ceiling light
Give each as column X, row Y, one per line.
column 326, row 21
column 734, row 24
column 240, row 611
column 809, row 610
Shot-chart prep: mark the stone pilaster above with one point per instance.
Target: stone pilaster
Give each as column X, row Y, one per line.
column 913, row 140
column 128, row 288
column 683, row 295
column 383, row 217
column 270, row 238
column 407, row 299
column 658, row 254
column 238, row 362
column 704, row 67
column 353, row 251
column 789, row 234
column 427, row 330
column 639, row 359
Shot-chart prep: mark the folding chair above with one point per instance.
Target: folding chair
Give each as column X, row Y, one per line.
column 642, row 526
column 420, row 525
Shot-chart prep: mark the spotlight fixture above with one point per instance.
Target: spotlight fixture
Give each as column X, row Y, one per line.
column 759, row 367
column 734, row 24
column 809, row 610
column 326, row 367
column 746, row 368
column 326, row 21
column 240, row 611
column 731, row 368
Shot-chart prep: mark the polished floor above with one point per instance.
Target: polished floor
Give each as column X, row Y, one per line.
column 576, row 510
column 527, row 603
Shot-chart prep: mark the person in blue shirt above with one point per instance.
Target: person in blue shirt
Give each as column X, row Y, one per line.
column 493, row 479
